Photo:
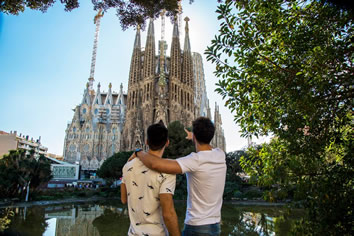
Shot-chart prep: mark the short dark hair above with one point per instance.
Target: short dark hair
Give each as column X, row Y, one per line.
column 157, row 135
column 203, row 130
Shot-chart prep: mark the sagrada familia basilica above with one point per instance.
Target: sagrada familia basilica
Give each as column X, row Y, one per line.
column 160, row 87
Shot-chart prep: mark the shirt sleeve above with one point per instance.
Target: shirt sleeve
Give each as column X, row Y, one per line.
column 189, row 163
column 168, row 184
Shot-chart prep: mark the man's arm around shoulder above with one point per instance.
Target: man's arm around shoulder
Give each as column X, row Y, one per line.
column 160, row 164
column 169, row 214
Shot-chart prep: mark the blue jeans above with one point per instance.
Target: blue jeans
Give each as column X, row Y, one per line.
column 201, row 230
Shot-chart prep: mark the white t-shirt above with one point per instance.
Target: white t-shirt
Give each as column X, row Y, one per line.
column 206, row 173
column 143, row 189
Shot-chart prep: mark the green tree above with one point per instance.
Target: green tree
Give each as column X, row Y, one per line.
column 5, row 218
column 111, row 169
column 233, row 164
column 179, row 147
column 285, row 69
column 130, row 13
column 18, row 171
column 233, row 181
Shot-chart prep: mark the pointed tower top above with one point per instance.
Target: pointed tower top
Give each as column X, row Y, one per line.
column 121, row 87
column 186, row 19
column 137, row 38
column 175, row 30
column 110, row 85
column 151, row 31
column 187, row 45
column 99, row 85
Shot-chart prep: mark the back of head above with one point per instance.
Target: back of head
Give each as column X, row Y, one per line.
column 203, row 130
column 157, row 135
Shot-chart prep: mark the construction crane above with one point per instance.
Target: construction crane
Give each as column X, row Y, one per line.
column 96, row 21
column 180, row 16
column 162, row 14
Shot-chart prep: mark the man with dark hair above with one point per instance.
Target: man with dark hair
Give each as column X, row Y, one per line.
column 149, row 193
column 206, row 173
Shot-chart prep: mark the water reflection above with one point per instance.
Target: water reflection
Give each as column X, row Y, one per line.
column 107, row 219
column 258, row 220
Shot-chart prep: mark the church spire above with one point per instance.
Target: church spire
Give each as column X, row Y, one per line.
column 175, row 70
column 97, row 99
column 187, row 67
column 187, row 44
column 137, row 43
column 86, row 98
column 149, row 55
column 135, row 64
column 109, row 98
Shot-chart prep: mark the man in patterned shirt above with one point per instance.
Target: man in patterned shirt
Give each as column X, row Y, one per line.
column 149, row 193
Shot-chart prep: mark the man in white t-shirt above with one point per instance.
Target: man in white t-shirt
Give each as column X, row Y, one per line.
column 206, row 173
column 149, row 193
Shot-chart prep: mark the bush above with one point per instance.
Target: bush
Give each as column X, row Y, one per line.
column 253, row 193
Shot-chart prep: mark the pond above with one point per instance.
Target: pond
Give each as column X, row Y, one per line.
column 111, row 218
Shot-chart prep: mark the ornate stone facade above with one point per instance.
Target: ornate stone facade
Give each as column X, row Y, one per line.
column 202, row 107
column 201, row 97
column 160, row 87
column 95, row 131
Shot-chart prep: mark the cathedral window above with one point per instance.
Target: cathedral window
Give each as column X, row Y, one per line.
column 72, row 147
column 96, row 111
column 182, row 97
column 84, row 111
column 147, row 92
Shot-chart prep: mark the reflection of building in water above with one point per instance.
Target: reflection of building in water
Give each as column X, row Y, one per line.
column 75, row 221
column 262, row 223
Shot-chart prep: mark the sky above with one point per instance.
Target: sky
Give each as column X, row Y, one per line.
column 45, row 61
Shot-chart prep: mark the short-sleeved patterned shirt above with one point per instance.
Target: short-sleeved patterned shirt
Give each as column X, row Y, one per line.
column 143, row 189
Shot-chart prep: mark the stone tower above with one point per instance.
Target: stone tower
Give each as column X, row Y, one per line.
column 219, row 138
column 160, row 87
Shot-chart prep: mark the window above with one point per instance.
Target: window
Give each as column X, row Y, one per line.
column 84, row 111
column 72, row 147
